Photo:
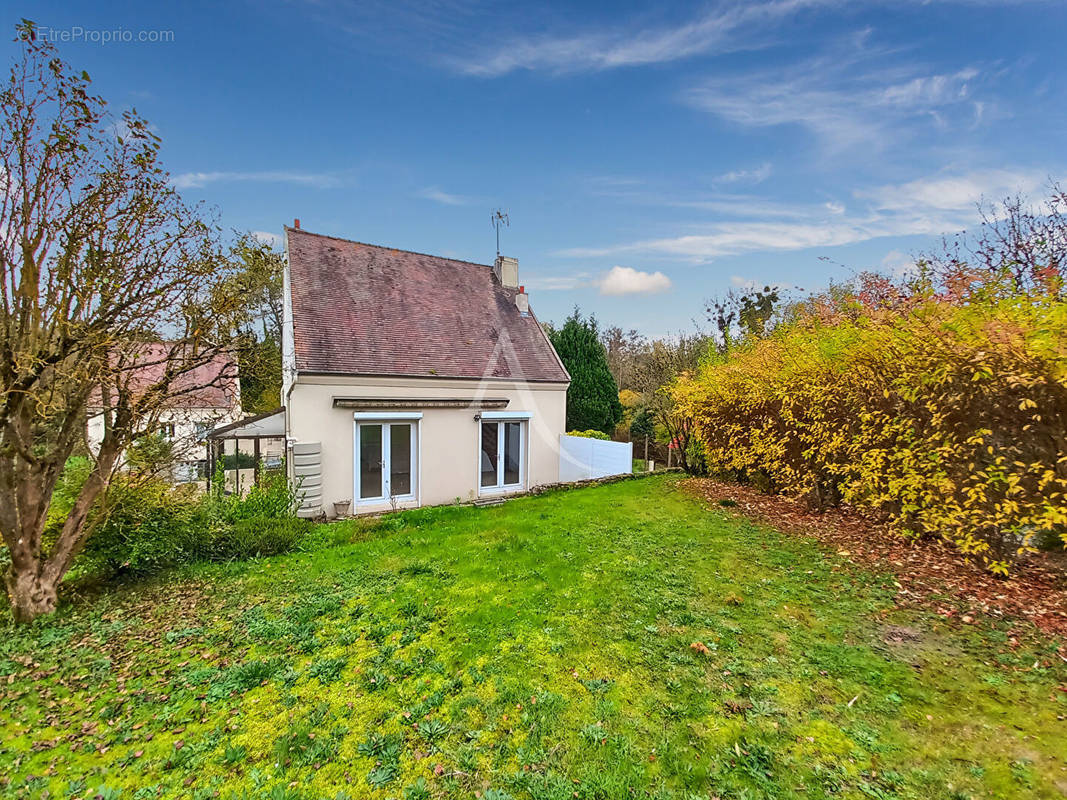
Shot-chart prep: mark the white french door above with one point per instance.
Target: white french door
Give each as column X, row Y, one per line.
column 501, row 454
column 386, row 461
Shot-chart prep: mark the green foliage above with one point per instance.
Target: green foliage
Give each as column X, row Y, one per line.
column 695, row 458
column 741, row 317
column 272, row 496
column 260, row 369
column 945, row 417
column 590, row 435
column 593, row 397
column 310, row 741
column 262, row 536
column 148, row 525
column 258, row 277
column 152, row 454
column 232, row 461
column 144, row 527
column 644, row 424
column 74, row 474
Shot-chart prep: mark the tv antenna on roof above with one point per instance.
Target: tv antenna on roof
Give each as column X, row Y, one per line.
column 498, row 219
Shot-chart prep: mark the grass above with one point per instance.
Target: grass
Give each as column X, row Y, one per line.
column 608, row 642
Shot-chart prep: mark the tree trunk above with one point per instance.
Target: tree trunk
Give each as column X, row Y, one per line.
column 31, row 594
column 32, row 579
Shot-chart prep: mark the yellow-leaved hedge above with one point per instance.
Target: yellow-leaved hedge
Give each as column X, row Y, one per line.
column 949, row 419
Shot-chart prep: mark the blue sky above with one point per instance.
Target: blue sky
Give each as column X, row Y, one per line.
column 650, row 155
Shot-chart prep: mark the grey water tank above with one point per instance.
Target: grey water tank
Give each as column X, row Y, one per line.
column 307, row 475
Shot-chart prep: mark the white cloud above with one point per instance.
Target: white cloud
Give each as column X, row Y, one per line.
column 757, row 175
column 198, row 180
column 445, row 198
column 934, row 205
column 728, row 28
column 266, row 237
column 627, row 280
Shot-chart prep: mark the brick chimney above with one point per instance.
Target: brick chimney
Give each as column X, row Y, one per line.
column 507, row 272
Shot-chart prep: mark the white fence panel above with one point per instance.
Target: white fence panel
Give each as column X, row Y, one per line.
column 581, row 459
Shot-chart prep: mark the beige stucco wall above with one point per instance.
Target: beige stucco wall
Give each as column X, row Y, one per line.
column 448, row 437
column 189, row 425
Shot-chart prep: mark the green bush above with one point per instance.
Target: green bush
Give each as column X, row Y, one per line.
column 695, row 457
column 145, row 527
column 643, row 424
column 148, row 525
column 260, row 536
column 271, row 497
column 590, row 435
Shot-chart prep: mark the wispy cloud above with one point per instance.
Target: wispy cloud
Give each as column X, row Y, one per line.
column 627, row 280
column 954, row 192
column 445, row 198
column 845, row 99
column 198, row 180
column 755, row 175
column 551, row 283
column 933, row 205
column 728, row 28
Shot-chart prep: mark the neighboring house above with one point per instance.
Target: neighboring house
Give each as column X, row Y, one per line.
column 411, row 379
column 203, row 398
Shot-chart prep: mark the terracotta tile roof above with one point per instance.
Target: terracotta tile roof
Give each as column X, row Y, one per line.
column 362, row 309
column 212, row 384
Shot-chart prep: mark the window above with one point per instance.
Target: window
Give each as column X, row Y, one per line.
column 202, row 429
column 501, row 454
column 166, row 430
column 386, row 458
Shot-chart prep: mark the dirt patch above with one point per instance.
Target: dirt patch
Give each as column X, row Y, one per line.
column 899, row 634
column 929, row 573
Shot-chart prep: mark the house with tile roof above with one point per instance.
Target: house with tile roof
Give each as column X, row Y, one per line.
column 411, row 379
column 199, row 400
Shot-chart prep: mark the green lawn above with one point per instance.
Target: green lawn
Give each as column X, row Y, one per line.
column 538, row 649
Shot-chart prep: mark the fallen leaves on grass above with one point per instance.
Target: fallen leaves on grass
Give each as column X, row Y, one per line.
column 929, row 573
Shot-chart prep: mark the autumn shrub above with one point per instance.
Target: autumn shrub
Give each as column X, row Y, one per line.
column 948, row 418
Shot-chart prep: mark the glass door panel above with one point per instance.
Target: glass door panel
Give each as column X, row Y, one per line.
column 489, row 455
column 370, row 461
column 512, row 452
column 399, row 459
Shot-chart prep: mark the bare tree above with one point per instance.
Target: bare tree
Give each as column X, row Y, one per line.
column 109, row 296
column 624, row 349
